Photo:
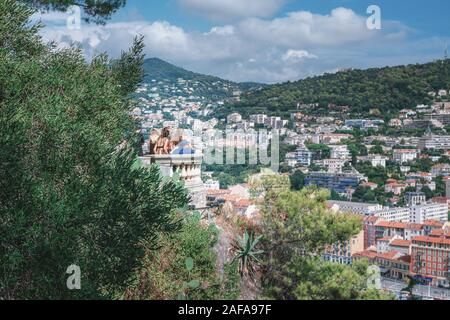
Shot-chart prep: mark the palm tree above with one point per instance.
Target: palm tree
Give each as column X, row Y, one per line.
column 246, row 254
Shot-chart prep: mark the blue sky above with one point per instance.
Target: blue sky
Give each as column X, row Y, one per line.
column 431, row 17
column 268, row 40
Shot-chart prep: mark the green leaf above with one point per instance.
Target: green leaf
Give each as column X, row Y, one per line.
column 189, row 264
column 194, row 284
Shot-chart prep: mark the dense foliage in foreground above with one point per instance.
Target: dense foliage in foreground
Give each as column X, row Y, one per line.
column 69, row 193
column 166, row 273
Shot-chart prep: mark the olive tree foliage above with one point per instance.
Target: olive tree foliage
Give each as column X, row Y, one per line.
column 97, row 11
column 70, row 192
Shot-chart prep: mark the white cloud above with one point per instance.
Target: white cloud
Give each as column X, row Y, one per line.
column 297, row 45
column 230, row 9
column 298, row 55
column 341, row 26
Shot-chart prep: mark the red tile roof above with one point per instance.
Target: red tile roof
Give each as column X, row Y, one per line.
column 391, row 255
column 387, row 224
column 433, row 223
column 435, row 240
column 440, row 233
column 401, row 243
column 399, row 225
column 415, row 226
column 366, row 254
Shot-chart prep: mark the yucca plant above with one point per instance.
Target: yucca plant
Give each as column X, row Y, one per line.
column 247, row 254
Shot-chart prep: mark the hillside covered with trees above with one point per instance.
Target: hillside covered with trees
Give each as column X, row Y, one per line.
column 206, row 85
column 389, row 88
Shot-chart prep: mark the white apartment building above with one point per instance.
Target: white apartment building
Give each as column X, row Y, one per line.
column 234, row 118
column 304, row 157
column 354, row 207
column 211, row 185
column 334, row 165
column 435, row 142
column 442, row 169
column 405, row 155
column 415, row 198
column 415, row 214
column 425, row 212
column 258, row 118
column 394, row 214
column 340, row 152
column 375, row 160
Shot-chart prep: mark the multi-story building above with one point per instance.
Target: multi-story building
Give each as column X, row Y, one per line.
column 304, row 157
column 395, row 188
column 394, row 214
column 211, row 185
column 430, row 259
column 400, row 245
column 340, row 152
column 443, row 118
column 355, row 207
column 234, row 118
column 363, row 123
column 338, row 182
column 405, row 155
column 385, row 229
column 418, row 214
column 432, row 211
column 273, row 122
column 431, row 141
column 343, row 252
column 394, row 264
column 393, row 243
column 333, row 165
column 414, row 198
column 369, row 228
column 441, row 169
column 447, row 188
column 375, row 160
column 258, row 118
column 335, row 138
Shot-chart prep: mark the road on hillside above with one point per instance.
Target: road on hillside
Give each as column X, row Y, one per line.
column 419, row 290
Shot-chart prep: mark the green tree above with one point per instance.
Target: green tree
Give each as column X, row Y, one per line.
column 297, row 180
column 297, row 228
column 71, row 191
column 378, row 149
column 163, row 273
